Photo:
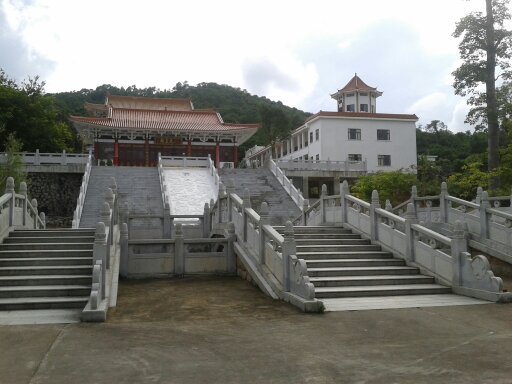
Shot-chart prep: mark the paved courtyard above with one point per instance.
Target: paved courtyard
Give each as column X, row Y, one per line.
column 223, row 330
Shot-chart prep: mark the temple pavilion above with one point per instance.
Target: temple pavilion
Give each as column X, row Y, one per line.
column 131, row 130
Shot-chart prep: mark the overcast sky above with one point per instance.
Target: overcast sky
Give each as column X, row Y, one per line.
column 294, row 51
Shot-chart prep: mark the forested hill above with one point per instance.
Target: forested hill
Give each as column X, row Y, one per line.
column 234, row 104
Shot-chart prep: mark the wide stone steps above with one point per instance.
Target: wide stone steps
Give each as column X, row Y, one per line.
column 46, row 269
column 263, row 186
column 341, row 264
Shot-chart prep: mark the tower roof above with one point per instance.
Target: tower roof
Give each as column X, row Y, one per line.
column 356, row 84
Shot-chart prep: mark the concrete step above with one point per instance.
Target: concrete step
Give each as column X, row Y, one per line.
column 44, row 261
column 315, row 229
column 13, row 304
column 85, row 269
column 45, row 246
column 44, row 291
column 361, row 271
column 381, row 290
column 340, row 263
column 325, row 236
column 49, row 253
column 24, row 280
column 308, row 256
column 320, row 242
column 53, row 233
column 344, row 281
column 338, row 248
column 68, row 240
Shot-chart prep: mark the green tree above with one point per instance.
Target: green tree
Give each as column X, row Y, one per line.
column 393, row 186
column 11, row 165
column 464, row 184
column 485, row 46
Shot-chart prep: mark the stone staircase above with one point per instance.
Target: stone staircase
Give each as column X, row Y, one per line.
column 139, row 187
column 263, row 186
column 46, row 269
column 341, row 264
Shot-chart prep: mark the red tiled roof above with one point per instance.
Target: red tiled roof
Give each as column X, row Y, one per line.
column 356, row 84
column 135, row 102
column 393, row 116
column 159, row 120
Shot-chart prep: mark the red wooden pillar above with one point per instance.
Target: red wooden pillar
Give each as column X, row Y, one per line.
column 96, row 151
column 146, row 152
column 116, row 152
column 189, row 148
column 235, row 155
column 217, row 155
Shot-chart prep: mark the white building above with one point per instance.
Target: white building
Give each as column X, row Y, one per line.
column 348, row 142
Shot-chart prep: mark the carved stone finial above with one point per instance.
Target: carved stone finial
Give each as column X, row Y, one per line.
column 113, row 185
column 34, row 204
column 124, row 230
column 288, row 229
column 305, row 204
column 414, row 192
column 109, row 196
column 247, row 198
column 222, row 190
column 105, row 209
column 375, row 197
column 9, row 185
column 179, row 229
column 100, row 232
column 324, row 190
column 485, row 197
column 410, row 213
column 264, row 210
column 388, row 205
column 42, row 216
column 23, row 188
column 212, row 203
column 444, row 188
column 345, row 187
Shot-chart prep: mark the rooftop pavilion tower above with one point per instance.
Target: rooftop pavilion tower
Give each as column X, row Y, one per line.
column 356, row 96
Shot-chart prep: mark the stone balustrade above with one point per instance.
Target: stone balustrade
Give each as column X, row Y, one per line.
column 288, row 186
column 77, row 214
column 17, row 211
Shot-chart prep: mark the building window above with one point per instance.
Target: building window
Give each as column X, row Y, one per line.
column 310, row 137
column 384, row 160
column 317, row 134
column 354, row 134
column 355, row 157
column 363, row 94
column 351, row 108
column 317, row 157
column 383, row 134
column 363, row 107
column 350, row 94
column 306, row 157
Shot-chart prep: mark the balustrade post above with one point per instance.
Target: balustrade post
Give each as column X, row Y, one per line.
column 322, row 204
column 34, row 205
column 63, row 159
column 9, row 189
column 230, row 189
column 288, row 249
column 42, row 216
column 388, row 207
column 124, row 262
column 344, row 191
column 459, row 244
column 478, row 198
column 484, row 216
column 374, row 222
column 305, row 207
column 443, row 203
column 206, row 220
column 100, row 251
column 414, row 196
column 222, row 197
column 410, row 219
column 167, row 221
column 107, row 221
column 23, row 191
column 246, row 204
column 231, row 251
column 179, row 256
column 264, row 220
column 36, row 159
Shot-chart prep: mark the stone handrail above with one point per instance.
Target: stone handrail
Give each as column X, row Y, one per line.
column 268, row 256
column 177, row 256
column 184, row 161
column 163, row 187
column 77, row 214
column 288, row 186
column 105, row 261
column 18, row 211
column 490, row 229
column 37, row 158
column 443, row 257
column 347, row 167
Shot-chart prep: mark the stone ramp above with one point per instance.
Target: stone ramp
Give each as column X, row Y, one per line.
column 263, row 186
column 138, row 187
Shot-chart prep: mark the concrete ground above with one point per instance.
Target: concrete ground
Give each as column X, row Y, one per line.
column 223, row 330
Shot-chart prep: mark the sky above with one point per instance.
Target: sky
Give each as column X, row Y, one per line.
column 296, row 52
